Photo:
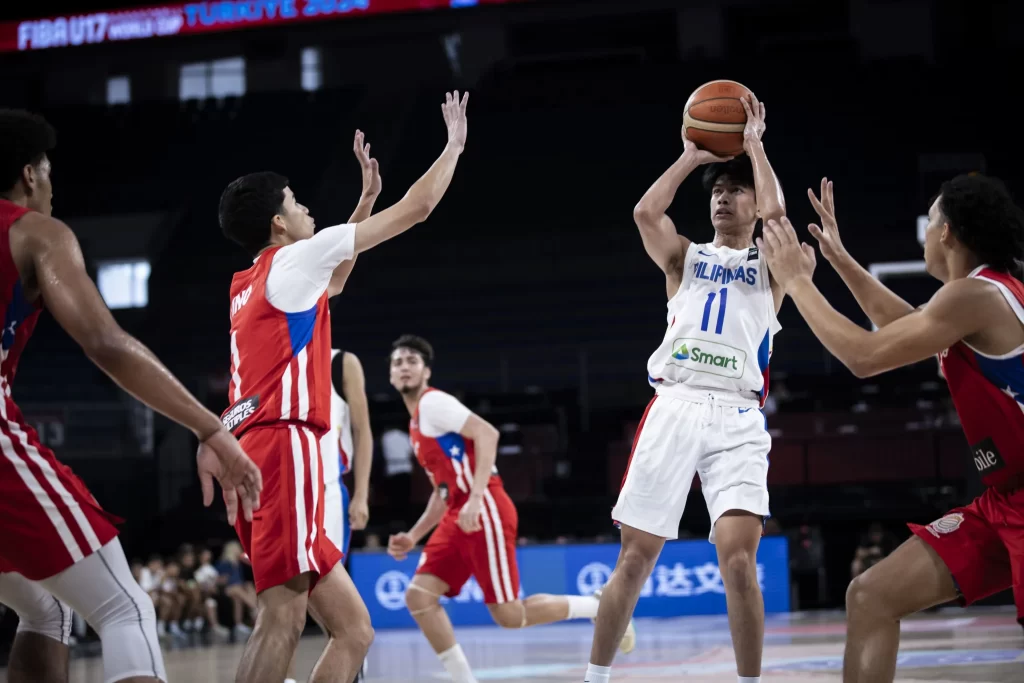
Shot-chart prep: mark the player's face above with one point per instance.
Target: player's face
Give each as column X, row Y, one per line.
column 297, row 221
column 934, row 254
column 733, row 206
column 40, row 188
column 408, row 371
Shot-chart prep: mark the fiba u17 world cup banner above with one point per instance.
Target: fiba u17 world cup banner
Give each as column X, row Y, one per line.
column 196, row 18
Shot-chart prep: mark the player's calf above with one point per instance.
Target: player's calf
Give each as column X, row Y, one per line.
column 280, row 619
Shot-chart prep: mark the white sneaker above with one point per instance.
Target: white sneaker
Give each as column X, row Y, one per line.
column 628, row 642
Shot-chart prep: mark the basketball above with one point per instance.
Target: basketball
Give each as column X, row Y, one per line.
column 714, row 117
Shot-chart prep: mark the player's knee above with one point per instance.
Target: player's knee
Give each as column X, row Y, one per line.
column 285, row 620
column 362, row 637
column 50, row 618
column 739, row 571
column 509, row 615
column 635, row 565
column 418, row 601
column 862, row 597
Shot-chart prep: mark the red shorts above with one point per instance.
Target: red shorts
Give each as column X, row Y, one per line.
column 982, row 544
column 286, row 536
column 48, row 518
column 489, row 555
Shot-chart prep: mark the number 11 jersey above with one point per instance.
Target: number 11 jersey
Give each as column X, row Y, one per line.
column 720, row 326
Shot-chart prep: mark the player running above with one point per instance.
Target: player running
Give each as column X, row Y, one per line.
column 55, row 539
column 974, row 244
column 711, row 377
column 475, row 518
column 280, row 391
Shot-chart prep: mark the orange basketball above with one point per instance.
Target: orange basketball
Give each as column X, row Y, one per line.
column 714, row 117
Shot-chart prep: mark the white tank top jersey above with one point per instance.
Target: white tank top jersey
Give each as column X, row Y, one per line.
column 720, row 327
column 336, row 446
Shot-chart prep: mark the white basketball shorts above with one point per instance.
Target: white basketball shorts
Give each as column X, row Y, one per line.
column 687, row 431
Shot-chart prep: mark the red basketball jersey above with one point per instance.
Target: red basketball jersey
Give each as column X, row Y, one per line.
column 988, row 392
column 280, row 362
column 449, row 460
column 20, row 315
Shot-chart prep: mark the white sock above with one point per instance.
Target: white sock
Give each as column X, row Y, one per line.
column 582, row 606
column 456, row 664
column 748, row 679
column 290, row 680
column 597, row 674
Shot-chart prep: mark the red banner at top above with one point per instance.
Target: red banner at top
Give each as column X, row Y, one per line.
column 195, row 18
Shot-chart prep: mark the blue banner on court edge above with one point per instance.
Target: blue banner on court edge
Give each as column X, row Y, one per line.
column 685, row 581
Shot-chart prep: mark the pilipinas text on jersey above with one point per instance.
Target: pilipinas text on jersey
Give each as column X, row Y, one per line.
column 988, row 392
column 720, row 325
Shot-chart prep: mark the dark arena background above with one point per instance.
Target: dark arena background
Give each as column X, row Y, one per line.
column 531, row 282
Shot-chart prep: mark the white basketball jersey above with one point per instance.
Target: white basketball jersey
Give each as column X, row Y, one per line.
column 720, row 325
column 336, row 445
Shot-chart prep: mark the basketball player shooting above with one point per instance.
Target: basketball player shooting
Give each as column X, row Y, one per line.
column 477, row 523
column 55, row 539
column 974, row 244
column 711, row 377
column 280, row 390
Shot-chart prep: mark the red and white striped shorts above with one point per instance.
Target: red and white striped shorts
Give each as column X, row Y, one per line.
column 48, row 519
column 286, row 536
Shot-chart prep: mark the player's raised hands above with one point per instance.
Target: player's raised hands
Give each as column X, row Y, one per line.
column 220, row 457
column 700, row 156
column 399, row 545
column 789, row 260
column 828, row 233
column 755, row 126
column 454, row 112
column 369, row 166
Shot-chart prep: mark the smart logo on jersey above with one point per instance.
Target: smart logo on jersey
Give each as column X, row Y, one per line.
column 711, row 357
column 238, row 413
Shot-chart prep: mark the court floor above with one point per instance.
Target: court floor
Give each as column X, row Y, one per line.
column 977, row 645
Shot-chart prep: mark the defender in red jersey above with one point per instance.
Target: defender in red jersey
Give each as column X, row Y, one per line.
column 476, row 520
column 975, row 324
column 55, row 539
column 280, row 395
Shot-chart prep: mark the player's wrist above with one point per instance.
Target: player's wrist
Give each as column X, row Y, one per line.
column 799, row 285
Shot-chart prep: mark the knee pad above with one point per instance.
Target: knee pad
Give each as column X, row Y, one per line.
column 421, row 591
column 49, row 617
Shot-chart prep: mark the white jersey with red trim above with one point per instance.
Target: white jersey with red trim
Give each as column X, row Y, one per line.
column 281, row 335
column 337, row 445
column 720, row 326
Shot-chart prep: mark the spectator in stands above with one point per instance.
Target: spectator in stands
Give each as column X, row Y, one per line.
column 169, row 608
column 208, row 580
column 191, row 596
column 242, row 593
column 873, row 548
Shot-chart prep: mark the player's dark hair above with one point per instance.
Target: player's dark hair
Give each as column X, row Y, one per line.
column 739, row 169
column 417, row 344
column 983, row 217
column 248, row 205
column 25, row 138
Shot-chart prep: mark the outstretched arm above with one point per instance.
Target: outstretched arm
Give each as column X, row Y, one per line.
column 879, row 303
column 664, row 245
column 771, row 205
column 425, row 193
column 75, row 303
column 371, row 190
column 957, row 310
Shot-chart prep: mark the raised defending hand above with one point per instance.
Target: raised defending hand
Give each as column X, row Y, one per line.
column 828, row 234
column 455, row 118
column 220, row 457
column 755, row 127
column 788, row 258
column 371, row 171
